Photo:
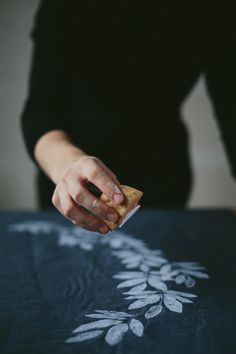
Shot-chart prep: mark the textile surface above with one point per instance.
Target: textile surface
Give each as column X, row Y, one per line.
column 163, row 283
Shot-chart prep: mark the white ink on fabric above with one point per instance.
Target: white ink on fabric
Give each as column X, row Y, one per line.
column 146, row 282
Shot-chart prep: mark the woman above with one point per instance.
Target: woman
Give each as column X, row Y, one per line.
column 107, row 83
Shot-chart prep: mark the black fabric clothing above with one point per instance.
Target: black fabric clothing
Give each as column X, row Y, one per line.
column 114, row 74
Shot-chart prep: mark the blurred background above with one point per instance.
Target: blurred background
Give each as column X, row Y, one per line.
column 213, row 186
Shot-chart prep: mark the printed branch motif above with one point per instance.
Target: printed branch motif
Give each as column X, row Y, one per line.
column 146, row 282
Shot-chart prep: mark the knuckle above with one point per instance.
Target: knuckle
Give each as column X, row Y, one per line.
column 86, row 160
column 66, row 176
column 91, row 222
column 96, row 173
column 79, row 196
column 68, row 210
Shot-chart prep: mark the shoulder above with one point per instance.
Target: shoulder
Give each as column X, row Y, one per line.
column 55, row 18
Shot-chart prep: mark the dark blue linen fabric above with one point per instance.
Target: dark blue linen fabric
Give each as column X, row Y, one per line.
column 53, row 274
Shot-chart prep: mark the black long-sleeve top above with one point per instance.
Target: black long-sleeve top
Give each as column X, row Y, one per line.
column 113, row 74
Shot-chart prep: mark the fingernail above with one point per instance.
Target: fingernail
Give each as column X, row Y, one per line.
column 117, row 190
column 112, row 217
column 118, row 198
column 103, row 229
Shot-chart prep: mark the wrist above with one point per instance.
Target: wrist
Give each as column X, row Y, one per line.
column 55, row 152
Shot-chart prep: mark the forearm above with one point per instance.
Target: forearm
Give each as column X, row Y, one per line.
column 54, row 152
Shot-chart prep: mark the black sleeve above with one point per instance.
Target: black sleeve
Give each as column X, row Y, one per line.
column 53, row 74
column 220, row 73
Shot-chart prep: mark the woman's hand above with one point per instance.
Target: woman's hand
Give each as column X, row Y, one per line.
column 73, row 199
column 71, row 169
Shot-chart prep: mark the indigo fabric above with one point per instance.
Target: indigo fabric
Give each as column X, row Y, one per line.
column 163, row 283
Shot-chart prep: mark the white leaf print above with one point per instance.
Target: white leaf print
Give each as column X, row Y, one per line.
column 189, row 265
column 181, row 293
column 128, row 275
column 165, row 268
column 138, row 304
column 196, row 274
column 141, row 303
column 116, row 243
column 132, row 265
column 108, row 316
column 132, row 253
column 145, row 292
column 136, row 327
column 190, row 282
column 144, row 267
column 86, row 246
column 156, row 259
column 155, row 282
column 153, row 311
column 132, row 282
column 120, row 313
column 96, row 324
column 84, row 336
column 152, row 264
column 183, row 299
column 180, row 279
column 136, row 257
column 149, row 298
column 173, row 304
column 116, row 333
column 123, row 254
column 138, row 288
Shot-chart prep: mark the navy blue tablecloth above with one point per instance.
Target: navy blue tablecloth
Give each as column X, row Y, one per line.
column 163, row 283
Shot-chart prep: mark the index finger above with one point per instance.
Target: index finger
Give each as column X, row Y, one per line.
column 103, row 181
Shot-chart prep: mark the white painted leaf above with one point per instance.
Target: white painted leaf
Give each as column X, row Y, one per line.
column 144, row 267
column 153, row 311
column 155, row 282
column 138, row 288
column 120, row 313
column 180, row 279
column 108, row 316
column 181, row 293
column 183, row 299
column 156, row 259
column 166, row 268
column 138, row 304
column 149, row 298
column 96, row 324
column 172, row 304
column 143, row 302
column 196, row 274
column 128, row 275
column 152, row 263
column 136, row 257
column 136, row 327
column 190, row 282
column 131, row 282
column 116, row 243
column 116, row 333
column 84, row 336
column 86, row 246
column 145, row 292
column 192, row 265
column 132, row 265
column 123, row 254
